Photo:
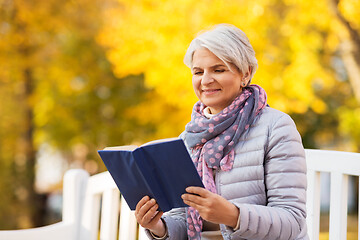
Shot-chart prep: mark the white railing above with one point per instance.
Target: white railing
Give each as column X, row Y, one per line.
column 340, row 165
column 68, row 228
column 103, row 202
column 93, row 208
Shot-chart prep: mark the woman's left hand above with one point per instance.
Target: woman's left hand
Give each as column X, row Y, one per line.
column 211, row 207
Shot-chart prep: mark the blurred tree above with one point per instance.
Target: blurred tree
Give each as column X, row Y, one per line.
column 347, row 13
column 297, row 44
column 350, row 47
column 17, row 46
column 56, row 87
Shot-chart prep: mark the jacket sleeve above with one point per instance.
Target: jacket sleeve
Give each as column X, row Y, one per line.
column 175, row 224
column 285, row 179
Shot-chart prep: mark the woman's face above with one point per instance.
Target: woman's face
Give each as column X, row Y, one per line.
column 214, row 83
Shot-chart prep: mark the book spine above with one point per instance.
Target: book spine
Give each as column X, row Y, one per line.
column 150, row 173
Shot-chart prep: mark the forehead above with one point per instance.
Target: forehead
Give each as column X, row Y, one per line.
column 203, row 56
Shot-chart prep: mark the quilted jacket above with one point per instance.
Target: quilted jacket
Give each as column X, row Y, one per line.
column 267, row 183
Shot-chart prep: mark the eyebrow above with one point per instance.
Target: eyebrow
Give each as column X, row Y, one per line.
column 214, row 66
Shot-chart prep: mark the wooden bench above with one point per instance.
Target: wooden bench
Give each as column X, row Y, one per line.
column 93, row 208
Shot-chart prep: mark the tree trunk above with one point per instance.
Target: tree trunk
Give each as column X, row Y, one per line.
column 33, row 200
column 350, row 50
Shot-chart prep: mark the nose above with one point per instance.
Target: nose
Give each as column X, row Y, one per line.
column 207, row 78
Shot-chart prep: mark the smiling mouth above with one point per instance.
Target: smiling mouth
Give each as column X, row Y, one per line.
column 210, row 91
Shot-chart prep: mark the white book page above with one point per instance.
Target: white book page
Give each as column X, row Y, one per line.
column 160, row 141
column 124, row 148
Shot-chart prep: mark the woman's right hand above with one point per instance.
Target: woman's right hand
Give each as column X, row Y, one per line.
column 148, row 217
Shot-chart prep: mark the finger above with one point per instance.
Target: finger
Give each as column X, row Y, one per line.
column 191, row 197
column 198, row 190
column 157, row 217
column 149, row 215
column 145, row 208
column 141, row 203
column 193, row 200
column 198, row 207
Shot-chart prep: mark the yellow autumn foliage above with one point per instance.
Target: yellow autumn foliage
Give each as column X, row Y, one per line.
column 62, row 48
column 293, row 41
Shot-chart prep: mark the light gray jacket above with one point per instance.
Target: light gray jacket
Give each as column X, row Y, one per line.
column 267, row 183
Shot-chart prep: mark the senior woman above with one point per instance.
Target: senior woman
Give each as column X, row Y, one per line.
column 249, row 156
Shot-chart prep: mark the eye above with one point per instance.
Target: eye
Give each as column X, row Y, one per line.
column 198, row 72
column 220, row 70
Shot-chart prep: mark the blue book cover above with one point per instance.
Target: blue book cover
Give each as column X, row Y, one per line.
column 160, row 169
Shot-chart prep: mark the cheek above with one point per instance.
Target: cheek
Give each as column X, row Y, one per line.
column 235, row 84
column 196, row 87
column 238, row 87
column 196, row 83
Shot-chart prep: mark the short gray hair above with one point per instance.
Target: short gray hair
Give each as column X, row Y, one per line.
column 229, row 44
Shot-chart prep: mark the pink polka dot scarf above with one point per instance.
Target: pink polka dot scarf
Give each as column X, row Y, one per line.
column 212, row 141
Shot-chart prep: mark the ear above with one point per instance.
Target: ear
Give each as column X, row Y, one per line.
column 248, row 73
column 245, row 79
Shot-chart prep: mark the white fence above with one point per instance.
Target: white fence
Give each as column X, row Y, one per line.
column 93, row 208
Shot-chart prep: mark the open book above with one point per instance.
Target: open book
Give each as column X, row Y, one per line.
column 159, row 169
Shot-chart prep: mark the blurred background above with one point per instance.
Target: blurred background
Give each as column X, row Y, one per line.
column 77, row 76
